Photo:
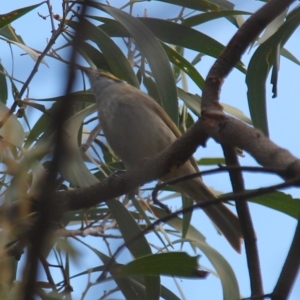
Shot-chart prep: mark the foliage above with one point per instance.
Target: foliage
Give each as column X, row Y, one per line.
column 150, row 53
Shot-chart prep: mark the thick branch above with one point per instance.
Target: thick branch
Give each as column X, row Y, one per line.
column 235, row 49
column 229, row 131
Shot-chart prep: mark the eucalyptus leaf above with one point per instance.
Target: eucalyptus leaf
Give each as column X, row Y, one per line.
column 12, row 131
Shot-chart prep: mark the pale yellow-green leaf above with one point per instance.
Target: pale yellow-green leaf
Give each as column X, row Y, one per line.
column 12, row 131
column 33, row 54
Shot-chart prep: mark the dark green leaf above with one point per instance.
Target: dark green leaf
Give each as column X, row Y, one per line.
column 227, row 276
column 89, row 52
column 43, row 126
column 3, row 86
column 115, row 58
column 202, row 5
column 155, row 55
column 208, row 161
column 259, row 67
column 171, row 263
column 138, row 246
column 179, row 61
column 16, row 14
column 280, row 201
column 186, row 219
column 175, row 34
column 127, row 287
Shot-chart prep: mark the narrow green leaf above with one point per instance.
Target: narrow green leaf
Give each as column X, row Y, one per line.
column 115, row 58
column 193, row 102
column 287, row 54
column 3, row 86
column 32, row 53
column 126, row 285
column 175, row 34
column 72, row 166
column 186, row 219
column 180, row 62
column 209, row 16
column 170, row 263
column 280, row 201
column 138, row 247
column 98, row 59
column 43, row 126
column 202, row 5
column 223, row 268
column 77, row 96
column 228, row 280
column 259, row 67
column 208, row 161
column 155, row 55
column 6, row 19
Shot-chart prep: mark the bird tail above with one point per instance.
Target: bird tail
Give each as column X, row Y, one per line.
column 224, row 219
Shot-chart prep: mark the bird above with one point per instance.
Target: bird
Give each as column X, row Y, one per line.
column 136, row 127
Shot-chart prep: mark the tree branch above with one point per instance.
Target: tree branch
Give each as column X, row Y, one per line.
column 249, row 235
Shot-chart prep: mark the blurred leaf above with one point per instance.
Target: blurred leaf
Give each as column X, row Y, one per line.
column 208, row 161
column 177, row 223
column 171, row 263
column 12, row 131
column 272, row 27
column 186, row 219
column 33, row 54
column 115, row 58
column 126, row 285
column 229, row 282
column 236, row 113
column 151, row 88
column 38, row 174
column 224, row 270
column 72, row 166
column 209, row 16
column 224, row 4
column 261, row 62
column 202, row 5
column 81, row 96
column 280, row 201
column 89, row 52
column 155, row 55
column 138, row 247
column 179, row 61
column 6, row 19
column 193, row 102
column 3, row 86
column 175, row 34
column 43, row 125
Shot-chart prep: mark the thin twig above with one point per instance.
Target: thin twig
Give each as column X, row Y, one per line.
column 237, row 197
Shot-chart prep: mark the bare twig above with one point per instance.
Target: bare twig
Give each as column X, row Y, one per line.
column 48, row 208
column 237, row 197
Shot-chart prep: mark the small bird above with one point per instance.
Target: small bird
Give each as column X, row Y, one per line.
column 136, row 127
